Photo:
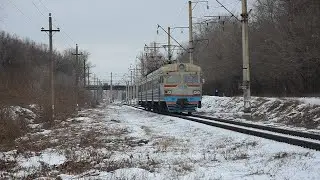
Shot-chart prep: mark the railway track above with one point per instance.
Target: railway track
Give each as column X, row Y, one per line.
column 306, row 140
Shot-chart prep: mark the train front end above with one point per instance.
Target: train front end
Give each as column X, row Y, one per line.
column 183, row 88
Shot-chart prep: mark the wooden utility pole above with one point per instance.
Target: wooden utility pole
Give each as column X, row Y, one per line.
column 77, row 75
column 134, row 84
column 127, row 92
column 137, row 85
column 169, row 44
column 190, row 34
column 245, row 57
column 94, row 91
column 131, row 93
column 84, row 72
column 51, row 74
column 111, row 93
column 88, row 74
column 77, row 54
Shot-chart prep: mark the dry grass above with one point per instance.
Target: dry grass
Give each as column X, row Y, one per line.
column 10, row 128
column 87, row 143
column 236, row 151
column 183, row 168
column 288, row 112
column 147, row 130
column 164, row 143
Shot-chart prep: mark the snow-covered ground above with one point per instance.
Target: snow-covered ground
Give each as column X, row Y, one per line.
column 120, row 142
column 298, row 113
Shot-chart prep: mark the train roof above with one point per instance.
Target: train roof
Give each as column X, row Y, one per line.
column 171, row 68
column 175, row 67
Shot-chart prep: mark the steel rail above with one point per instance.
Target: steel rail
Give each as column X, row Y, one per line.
column 262, row 127
column 276, row 134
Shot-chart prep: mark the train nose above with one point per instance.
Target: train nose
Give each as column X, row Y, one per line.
column 182, row 102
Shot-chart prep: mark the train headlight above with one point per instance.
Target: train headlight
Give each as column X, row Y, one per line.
column 196, row 92
column 168, row 92
column 182, row 67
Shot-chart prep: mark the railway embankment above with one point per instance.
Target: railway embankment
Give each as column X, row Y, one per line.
column 297, row 113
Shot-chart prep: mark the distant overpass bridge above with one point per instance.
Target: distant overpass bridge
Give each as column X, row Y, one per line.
column 106, row 87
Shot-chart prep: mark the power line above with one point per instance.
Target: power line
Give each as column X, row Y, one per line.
column 44, row 5
column 232, row 15
column 27, row 17
column 38, row 9
column 236, row 1
column 173, row 38
column 41, row 2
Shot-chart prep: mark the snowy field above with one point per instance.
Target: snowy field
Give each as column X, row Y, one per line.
column 119, row 142
column 296, row 113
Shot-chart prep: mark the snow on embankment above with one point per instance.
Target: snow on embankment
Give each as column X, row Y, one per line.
column 299, row 112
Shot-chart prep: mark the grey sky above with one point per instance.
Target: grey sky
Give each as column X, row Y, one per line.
column 114, row 32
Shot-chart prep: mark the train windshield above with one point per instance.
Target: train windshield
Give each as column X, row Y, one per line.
column 173, row 79
column 191, row 78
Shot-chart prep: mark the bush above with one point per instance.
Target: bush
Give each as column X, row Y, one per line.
column 9, row 128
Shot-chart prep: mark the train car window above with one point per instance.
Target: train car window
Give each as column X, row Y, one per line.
column 173, row 79
column 191, row 78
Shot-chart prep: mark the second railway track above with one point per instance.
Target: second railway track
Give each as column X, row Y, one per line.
column 303, row 139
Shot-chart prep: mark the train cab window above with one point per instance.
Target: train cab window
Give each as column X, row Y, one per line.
column 191, row 78
column 171, row 79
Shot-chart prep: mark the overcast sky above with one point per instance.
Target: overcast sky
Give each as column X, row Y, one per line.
column 112, row 31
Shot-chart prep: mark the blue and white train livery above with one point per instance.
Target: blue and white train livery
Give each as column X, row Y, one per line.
column 171, row 88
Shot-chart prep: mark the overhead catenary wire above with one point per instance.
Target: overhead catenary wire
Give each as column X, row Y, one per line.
column 173, row 38
column 228, row 4
column 232, row 15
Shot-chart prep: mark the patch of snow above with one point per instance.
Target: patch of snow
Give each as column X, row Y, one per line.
column 301, row 113
column 45, row 132
column 120, row 142
column 34, row 126
column 127, row 173
column 48, row 156
column 203, row 152
column 14, row 112
column 310, row 100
